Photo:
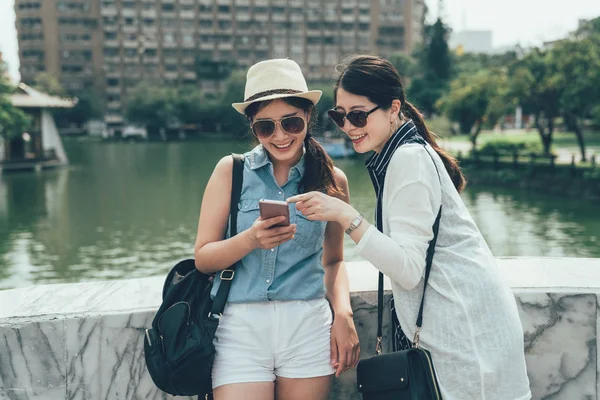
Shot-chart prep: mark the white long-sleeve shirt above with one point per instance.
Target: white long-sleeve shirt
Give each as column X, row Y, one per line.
column 470, row 322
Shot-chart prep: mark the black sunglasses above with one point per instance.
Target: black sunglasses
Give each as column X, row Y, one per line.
column 263, row 128
column 358, row 118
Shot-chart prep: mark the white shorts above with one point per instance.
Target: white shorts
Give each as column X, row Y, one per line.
column 256, row 342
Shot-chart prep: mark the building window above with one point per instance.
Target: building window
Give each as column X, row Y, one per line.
column 30, row 6
column 67, row 6
column 31, row 22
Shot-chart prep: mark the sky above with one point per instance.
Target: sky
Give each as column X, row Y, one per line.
column 524, row 22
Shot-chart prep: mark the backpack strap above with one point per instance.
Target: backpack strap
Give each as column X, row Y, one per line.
column 227, row 274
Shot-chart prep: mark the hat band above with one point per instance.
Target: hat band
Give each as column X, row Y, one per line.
column 270, row 92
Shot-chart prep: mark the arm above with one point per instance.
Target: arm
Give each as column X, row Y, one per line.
column 414, row 197
column 211, row 252
column 345, row 350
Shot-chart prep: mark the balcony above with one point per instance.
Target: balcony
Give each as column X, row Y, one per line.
column 149, row 14
column 187, row 14
column 171, row 75
column 109, row 11
column 130, row 44
column 225, row 46
column 113, row 89
column 348, row 18
column 112, row 59
column 279, row 17
column 243, row 16
column 206, row 46
column 114, row 105
column 261, row 17
column 130, row 28
column 111, row 43
column 364, row 18
column 191, row 75
column 128, row 13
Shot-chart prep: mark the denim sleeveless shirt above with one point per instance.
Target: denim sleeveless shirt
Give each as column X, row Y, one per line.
column 290, row 271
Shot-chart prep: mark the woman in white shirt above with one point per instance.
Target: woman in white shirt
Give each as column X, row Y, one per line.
column 470, row 325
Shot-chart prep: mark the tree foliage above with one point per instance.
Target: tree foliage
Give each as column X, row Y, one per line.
column 13, row 121
column 476, row 100
column 434, row 68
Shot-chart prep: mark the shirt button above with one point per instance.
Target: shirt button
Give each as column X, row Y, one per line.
column 272, row 249
column 268, row 281
column 280, row 193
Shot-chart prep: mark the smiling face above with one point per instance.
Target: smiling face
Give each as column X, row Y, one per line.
column 281, row 145
column 378, row 129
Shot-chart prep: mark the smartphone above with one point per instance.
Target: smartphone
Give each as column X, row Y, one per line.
column 274, row 208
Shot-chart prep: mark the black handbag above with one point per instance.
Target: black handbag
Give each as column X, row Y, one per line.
column 178, row 348
column 406, row 374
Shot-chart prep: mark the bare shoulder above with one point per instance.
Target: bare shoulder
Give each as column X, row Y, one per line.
column 340, row 176
column 342, row 182
column 224, row 166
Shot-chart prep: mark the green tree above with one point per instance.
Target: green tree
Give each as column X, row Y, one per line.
column 475, row 100
column 405, row 64
column 47, row 83
column 88, row 101
column 578, row 77
column 472, row 63
column 13, row 121
column 152, row 106
column 229, row 119
column 534, row 85
column 434, row 65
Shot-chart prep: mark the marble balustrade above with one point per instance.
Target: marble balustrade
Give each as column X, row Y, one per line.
column 85, row 340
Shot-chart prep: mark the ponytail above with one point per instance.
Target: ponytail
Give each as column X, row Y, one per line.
column 376, row 79
column 449, row 162
column 318, row 169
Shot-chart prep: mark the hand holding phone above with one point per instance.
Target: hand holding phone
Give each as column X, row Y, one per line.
column 273, row 227
column 274, row 208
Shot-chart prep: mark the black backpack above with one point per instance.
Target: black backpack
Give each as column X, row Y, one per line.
column 179, row 348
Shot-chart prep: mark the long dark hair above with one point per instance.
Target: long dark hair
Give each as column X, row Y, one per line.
column 318, row 166
column 376, row 79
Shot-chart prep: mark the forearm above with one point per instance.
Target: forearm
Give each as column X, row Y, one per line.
column 345, row 219
column 336, row 283
column 217, row 256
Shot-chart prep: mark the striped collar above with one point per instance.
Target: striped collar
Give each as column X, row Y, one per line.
column 378, row 162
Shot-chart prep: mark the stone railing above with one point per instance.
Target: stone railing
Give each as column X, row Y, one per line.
column 85, row 340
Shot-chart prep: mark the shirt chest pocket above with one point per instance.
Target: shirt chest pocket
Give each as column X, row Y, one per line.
column 248, row 212
column 309, row 234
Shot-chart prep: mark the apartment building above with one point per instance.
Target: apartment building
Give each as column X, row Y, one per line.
column 112, row 45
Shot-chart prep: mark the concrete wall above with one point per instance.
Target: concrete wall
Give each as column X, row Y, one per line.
column 85, row 340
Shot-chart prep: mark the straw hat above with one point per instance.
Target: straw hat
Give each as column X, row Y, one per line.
column 274, row 79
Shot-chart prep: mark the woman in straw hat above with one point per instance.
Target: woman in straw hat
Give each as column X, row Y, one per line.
column 470, row 321
column 276, row 338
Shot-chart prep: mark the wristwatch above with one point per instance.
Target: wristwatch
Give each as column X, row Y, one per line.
column 355, row 223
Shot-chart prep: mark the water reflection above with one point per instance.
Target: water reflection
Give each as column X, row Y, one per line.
column 131, row 210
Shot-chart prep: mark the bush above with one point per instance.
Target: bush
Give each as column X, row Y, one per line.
column 508, row 147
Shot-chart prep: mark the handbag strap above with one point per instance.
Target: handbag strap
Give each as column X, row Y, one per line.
column 227, row 275
column 428, row 263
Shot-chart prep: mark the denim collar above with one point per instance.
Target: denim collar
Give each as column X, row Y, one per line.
column 259, row 158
